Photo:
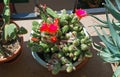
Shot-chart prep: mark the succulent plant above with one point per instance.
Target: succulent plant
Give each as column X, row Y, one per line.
column 9, row 31
column 59, row 36
column 110, row 52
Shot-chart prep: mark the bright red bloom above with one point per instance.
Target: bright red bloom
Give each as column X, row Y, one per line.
column 53, row 28
column 80, row 13
column 50, row 28
column 53, row 38
column 34, row 39
column 44, row 27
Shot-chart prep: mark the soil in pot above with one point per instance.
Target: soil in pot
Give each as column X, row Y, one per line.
column 10, row 49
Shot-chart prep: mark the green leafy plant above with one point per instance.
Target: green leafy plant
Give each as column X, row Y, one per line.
column 114, row 11
column 110, row 52
column 9, row 30
column 60, row 39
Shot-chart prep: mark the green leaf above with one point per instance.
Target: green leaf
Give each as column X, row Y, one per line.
column 116, row 25
column 106, row 55
column 113, row 33
column 43, row 15
column 6, row 2
column 6, row 14
column 35, row 47
column 106, row 36
column 110, row 5
column 109, row 57
column 35, row 26
column 51, row 13
column 112, row 48
column 117, row 72
column 56, row 68
column 10, row 32
column 102, row 26
column 118, row 4
column 102, row 21
column 22, row 30
column 65, row 29
column 100, row 48
column 112, row 9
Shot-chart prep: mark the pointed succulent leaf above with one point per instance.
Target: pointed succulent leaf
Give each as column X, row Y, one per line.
column 102, row 26
column 10, row 32
column 102, row 21
column 56, row 68
column 22, row 30
column 116, row 25
column 117, row 3
column 6, row 14
column 110, row 5
column 65, row 29
column 100, row 48
column 113, row 33
column 51, row 13
column 43, row 15
column 35, row 26
column 117, row 36
column 6, row 2
column 112, row 9
column 110, row 46
column 117, row 72
column 106, row 36
column 109, row 57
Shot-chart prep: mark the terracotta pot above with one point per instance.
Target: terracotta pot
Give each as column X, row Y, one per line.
column 14, row 55
column 17, row 52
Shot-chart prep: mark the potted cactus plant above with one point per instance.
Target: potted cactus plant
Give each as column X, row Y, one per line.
column 59, row 41
column 110, row 52
column 10, row 36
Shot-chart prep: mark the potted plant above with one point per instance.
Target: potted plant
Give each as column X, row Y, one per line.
column 59, row 41
column 10, row 36
column 110, row 52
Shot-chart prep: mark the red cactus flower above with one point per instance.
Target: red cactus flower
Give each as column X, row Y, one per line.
column 34, row 39
column 44, row 27
column 80, row 13
column 53, row 38
column 53, row 28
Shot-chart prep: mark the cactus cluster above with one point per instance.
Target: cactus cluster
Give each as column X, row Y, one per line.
column 61, row 38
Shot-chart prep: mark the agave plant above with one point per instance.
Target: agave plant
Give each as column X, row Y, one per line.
column 110, row 52
column 114, row 11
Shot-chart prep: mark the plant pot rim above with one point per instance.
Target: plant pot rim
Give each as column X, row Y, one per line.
column 14, row 55
column 78, row 64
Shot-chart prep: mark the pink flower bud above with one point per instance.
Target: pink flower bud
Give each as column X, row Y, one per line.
column 80, row 13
